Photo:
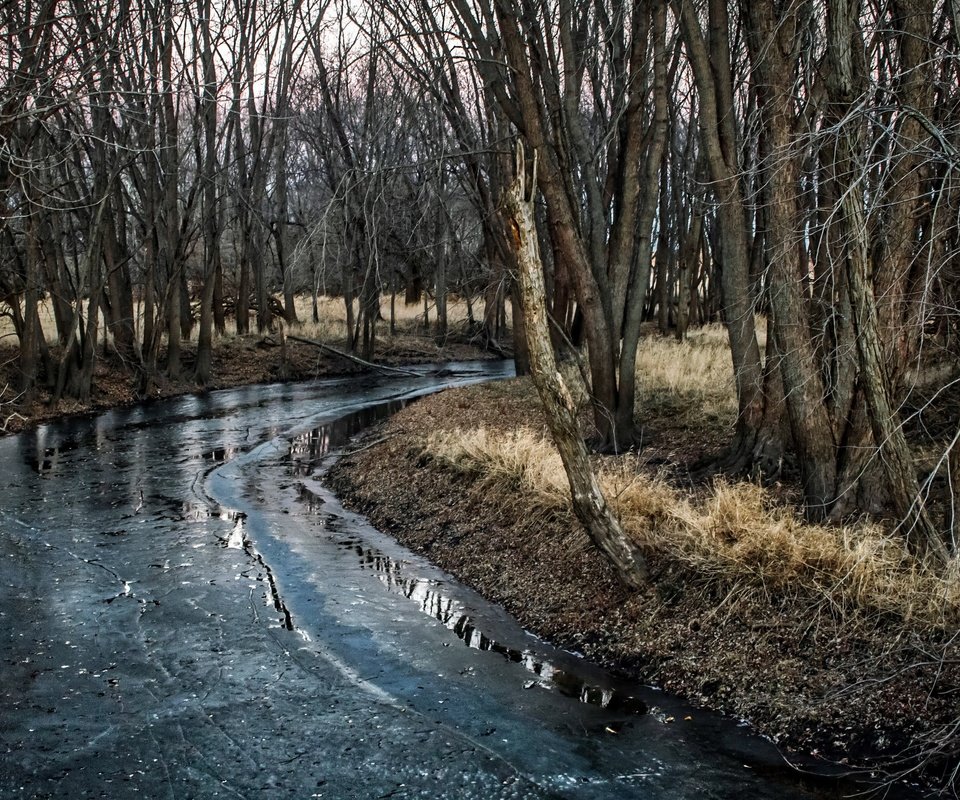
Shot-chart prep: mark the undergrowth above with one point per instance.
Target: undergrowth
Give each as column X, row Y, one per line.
column 694, row 375
column 732, row 534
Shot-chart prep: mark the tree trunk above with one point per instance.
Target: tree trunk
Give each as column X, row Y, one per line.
column 894, row 453
column 393, row 307
column 170, row 209
column 710, row 62
column 773, row 40
column 29, row 339
column 280, row 230
column 149, row 343
column 952, row 514
column 54, row 262
column 521, row 351
column 589, row 504
column 121, row 324
column 83, row 386
column 348, row 305
column 896, row 261
column 186, row 312
column 625, row 426
column 174, row 349
column 209, row 216
column 898, row 463
column 441, row 294
column 261, row 287
column 243, row 290
column 687, row 271
column 569, row 242
column 219, row 318
column 369, row 311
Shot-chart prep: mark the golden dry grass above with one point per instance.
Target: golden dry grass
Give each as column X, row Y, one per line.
column 331, row 311
column 689, row 382
column 696, row 368
column 734, row 533
column 332, row 326
column 731, row 533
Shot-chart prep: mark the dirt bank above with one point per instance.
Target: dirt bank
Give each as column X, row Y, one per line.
column 237, row 361
column 853, row 691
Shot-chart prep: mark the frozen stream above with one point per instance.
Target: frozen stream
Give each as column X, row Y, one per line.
column 186, row 612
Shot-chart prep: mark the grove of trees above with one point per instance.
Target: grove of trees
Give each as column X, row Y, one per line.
column 787, row 167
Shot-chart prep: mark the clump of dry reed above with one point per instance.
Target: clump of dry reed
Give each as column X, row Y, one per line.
column 733, row 534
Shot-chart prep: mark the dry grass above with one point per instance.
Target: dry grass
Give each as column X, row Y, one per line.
column 731, row 533
column 411, row 335
column 333, row 308
column 331, row 311
column 697, row 369
column 734, row 533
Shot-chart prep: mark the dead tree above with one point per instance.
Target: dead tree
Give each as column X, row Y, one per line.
column 589, row 504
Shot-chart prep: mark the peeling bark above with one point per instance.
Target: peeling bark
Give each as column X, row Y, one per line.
column 589, row 504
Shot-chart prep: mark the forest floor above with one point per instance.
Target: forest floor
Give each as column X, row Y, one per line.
column 856, row 684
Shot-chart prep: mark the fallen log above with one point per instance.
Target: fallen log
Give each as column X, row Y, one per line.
column 355, row 359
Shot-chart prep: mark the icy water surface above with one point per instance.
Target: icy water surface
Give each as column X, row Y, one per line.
column 187, row 612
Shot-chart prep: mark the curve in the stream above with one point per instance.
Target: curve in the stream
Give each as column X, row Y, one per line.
column 187, row 612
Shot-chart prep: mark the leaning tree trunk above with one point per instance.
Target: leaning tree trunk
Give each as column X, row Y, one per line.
column 589, row 504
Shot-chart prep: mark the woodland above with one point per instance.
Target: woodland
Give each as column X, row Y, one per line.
column 787, row 168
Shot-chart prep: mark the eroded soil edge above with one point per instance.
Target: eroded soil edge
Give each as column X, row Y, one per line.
column 816, row 684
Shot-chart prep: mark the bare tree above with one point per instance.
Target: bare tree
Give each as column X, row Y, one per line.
column 711, row 64
column 600, row 199
column 589, row 504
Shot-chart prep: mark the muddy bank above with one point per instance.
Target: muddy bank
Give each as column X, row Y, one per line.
column 854, row 692
column 237, row 361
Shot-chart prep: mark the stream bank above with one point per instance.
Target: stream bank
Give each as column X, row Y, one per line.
column 842, row 694
column 206, row 619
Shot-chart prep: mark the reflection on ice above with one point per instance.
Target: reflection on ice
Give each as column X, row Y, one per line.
column 235, row 539
column 430, row 599
column 308, row 449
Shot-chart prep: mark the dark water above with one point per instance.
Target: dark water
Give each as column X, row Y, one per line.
column 187, row 612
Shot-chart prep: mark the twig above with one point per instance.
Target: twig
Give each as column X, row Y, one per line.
column 7, row 420
column 368, row 445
